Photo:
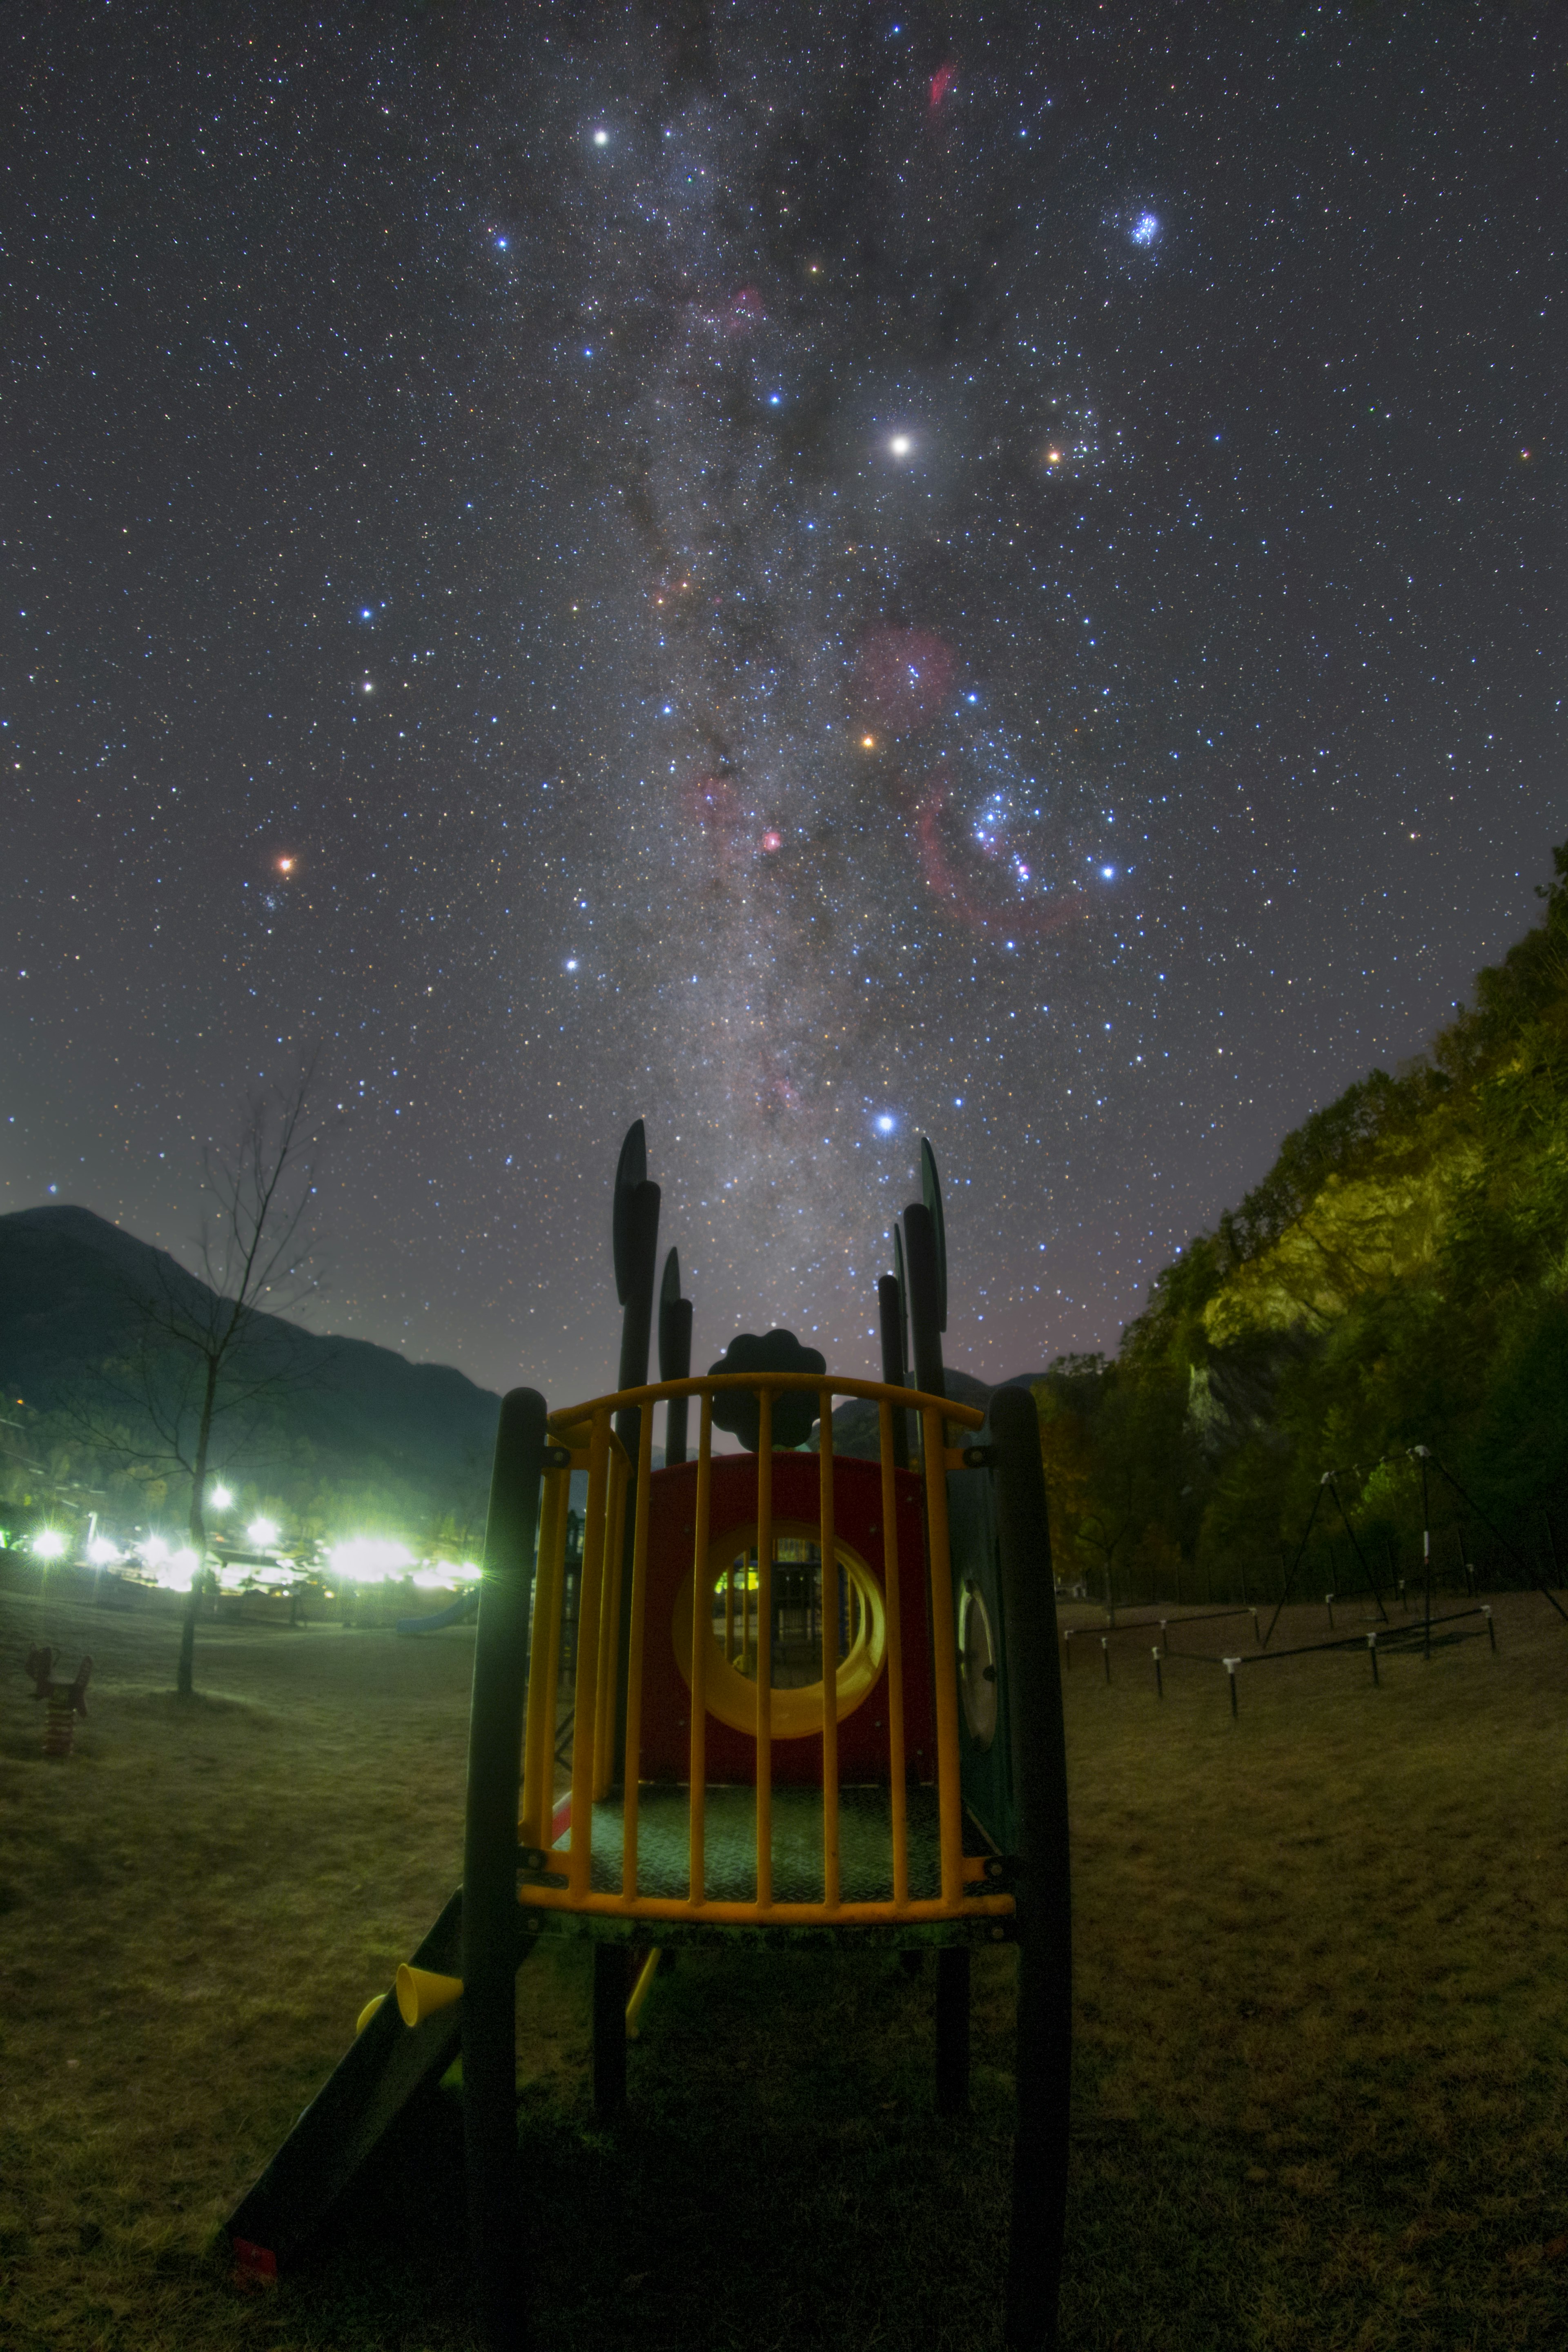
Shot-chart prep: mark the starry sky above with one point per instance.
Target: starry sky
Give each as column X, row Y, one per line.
column 811, row 575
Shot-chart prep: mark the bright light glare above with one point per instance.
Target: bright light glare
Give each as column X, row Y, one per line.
column 100, row 1551
column 49, row 1544
column 173, row 1571
column 370, row 1560
column 601, row 138
column 901, row 444
column 220, row 1498
column 1108, row 872
column 886, row 1124
column 262, row 1531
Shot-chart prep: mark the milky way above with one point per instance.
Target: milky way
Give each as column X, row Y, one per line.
column 811, row 575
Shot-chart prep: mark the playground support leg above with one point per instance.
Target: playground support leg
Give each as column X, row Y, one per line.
column 609, row 2032
column 952, row 2030
column 489, row 1942
column 1044, row 1904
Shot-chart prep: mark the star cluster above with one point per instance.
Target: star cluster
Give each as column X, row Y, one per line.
column 811, row 575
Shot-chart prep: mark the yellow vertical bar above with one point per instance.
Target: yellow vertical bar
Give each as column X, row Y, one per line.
column 765, row 1647
column 557, row 1639
column 826, row 1538
column 945, row 1661
column 610, row 1627
column 538, row 1724
column 589, row 1593
column 897, row 1788
column 633, row 1657
column 701, row 1634
column 729, row 1613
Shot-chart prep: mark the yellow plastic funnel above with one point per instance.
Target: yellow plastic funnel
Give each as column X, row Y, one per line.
column 421, row 1992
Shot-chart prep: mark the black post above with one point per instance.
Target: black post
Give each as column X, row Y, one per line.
column 952, row 2030
column 890, row 1326
column 641, row 1214
column 491, row 1932
column 925, row 1300
column 609, row 2030
column 1044, row 1893
column 674, row 1357
column 636, row 1248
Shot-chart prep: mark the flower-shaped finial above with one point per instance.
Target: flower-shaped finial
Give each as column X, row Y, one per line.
column 794, row 1411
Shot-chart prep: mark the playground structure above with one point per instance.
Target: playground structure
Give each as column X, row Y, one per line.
column 815, row 1699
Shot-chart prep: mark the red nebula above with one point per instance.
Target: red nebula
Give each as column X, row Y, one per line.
column 772, row 841
column 941, row 83
column 745, row 312
column 903, row 675
column 979, row 897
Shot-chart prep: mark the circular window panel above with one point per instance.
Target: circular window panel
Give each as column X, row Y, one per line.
column 976, row 1665
column 857, row 1629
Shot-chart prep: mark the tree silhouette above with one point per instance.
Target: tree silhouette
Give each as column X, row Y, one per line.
column 208, row 1352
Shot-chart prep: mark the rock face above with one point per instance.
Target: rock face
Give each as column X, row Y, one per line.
column 1231, row 1397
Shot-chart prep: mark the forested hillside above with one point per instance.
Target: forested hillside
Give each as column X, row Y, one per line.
column 333, row 1435
column 1400, row 1277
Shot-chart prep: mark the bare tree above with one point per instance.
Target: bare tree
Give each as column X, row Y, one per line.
column 206, row 1351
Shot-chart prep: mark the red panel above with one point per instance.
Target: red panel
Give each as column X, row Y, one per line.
column 857, row 1513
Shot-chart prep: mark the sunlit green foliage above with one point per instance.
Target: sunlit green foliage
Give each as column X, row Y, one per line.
column 1400, row 1276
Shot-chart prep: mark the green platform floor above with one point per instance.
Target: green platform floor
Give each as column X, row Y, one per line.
column 730, row 1848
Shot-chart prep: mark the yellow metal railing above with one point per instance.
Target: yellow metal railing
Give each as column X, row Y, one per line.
column 588, row 1438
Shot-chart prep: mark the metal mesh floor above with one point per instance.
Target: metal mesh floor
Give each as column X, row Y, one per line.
column 730, row 1846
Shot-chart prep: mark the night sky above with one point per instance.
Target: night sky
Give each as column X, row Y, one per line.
column 810, row 574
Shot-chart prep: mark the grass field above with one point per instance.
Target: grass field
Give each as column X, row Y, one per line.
column 1321, row 2017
